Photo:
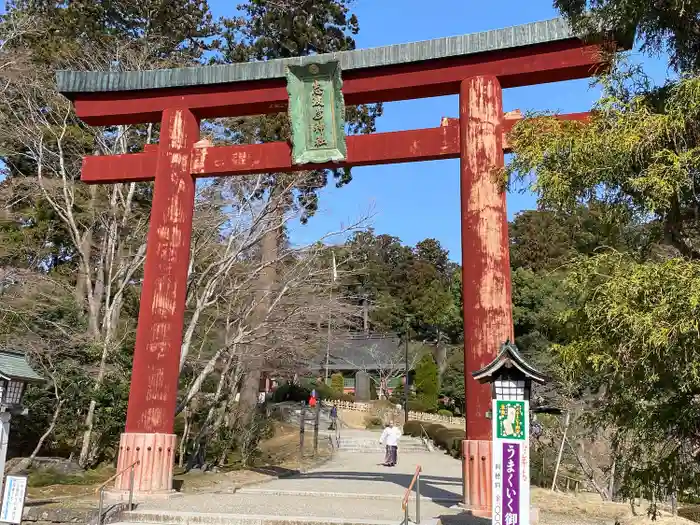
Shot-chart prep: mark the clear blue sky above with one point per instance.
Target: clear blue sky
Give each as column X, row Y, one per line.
column 420, row 200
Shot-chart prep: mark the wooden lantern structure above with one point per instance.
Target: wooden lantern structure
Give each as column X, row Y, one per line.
column 509, row 375
column 505, row 467
column 15, row 374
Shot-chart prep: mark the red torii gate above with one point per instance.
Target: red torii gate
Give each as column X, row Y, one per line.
column 477, row 66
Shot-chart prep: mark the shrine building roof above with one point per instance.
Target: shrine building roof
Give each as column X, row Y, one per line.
column 549, row 31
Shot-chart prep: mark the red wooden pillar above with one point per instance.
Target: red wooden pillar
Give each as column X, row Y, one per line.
column 486, row 285
column 149, row 434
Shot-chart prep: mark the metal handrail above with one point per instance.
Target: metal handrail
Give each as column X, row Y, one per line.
column 415, row 480
column 428, row 442
column 101, row 489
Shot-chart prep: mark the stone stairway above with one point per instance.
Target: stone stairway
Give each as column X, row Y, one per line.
column 351, row 440
column 361, row 441
column 290, row 507
column 372, row 445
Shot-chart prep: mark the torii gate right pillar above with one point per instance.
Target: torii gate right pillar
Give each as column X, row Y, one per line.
column 486, row 286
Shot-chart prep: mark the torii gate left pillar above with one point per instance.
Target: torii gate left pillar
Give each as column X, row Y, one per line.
column 148, row 434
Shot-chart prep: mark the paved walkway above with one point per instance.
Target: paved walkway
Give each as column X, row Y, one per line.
column 362, row 474
column 352, row 488
column 352, row 485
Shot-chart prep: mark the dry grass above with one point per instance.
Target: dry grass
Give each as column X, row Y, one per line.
column 590, row 506
column 583, row 504
column 662, row 520
column 280, row 455
column 353, row 418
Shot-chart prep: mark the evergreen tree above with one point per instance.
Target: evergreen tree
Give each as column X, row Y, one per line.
column 268, row 30
column 661, row 25
column 627, row 335
column 337, row 383
column 426, row 382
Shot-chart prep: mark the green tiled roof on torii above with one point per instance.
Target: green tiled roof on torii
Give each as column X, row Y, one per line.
column 548, row 31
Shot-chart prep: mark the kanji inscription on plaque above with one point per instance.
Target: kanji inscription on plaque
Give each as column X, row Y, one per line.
column 317, row 113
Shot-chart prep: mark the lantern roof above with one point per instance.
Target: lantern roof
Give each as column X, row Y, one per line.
column 14, row 365
column 509, row 358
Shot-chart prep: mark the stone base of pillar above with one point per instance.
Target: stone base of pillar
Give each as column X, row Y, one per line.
column 477, row 477
column 155, row 454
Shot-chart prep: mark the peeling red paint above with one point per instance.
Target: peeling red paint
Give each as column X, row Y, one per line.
column 363, row 150
column 485, row 257
column 199, row 157
column 154, row 381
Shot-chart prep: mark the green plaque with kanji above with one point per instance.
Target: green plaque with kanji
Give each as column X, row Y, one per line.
column 317, row 113
column 510, row 420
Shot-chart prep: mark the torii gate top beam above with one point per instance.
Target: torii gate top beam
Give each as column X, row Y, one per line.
column 527, row 54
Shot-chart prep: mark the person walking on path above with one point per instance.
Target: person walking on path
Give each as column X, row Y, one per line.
column 334, row 416
column 383, row 441
column 391, row 436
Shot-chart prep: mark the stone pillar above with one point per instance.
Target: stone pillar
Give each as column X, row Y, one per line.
column 486, row 284
column 149, row 437
column 362, row 386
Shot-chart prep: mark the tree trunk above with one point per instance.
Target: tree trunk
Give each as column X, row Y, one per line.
column 440, row 355
column 365, row 315
column 227, row 414
column 27, row 462
column 611, row 488
column 253, row 361
column 90, row 417
column 196, row 386
column 81, row 279
column 184, row 438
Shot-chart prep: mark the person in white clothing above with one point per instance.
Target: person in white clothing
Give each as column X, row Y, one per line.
column 391, row 436
column 382, row 441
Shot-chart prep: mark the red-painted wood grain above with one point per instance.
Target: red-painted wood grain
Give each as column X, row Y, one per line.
column 156, row 368
column 363, row 150
column 486, row 288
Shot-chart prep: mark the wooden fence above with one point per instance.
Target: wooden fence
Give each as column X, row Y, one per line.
column 413, row 416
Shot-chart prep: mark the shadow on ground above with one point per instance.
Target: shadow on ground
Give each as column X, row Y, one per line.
column 428, row 488
column 272, row 470
column 463, row 519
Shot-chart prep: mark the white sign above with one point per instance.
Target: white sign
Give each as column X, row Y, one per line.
column 13, row 499
column 511, row 463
